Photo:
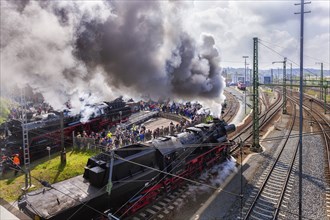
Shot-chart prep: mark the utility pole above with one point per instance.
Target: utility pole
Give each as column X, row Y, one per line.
column 26, row 147
column 325, row 98
column 109, row 185
column 62, row 132
column 241, row 193
column 255, row 145
column 248, row 72
column 245, row 57
column 63, row 153
column 251, row 83
column 291, row 77
column 284, row 84
column 120, row 114
column 321, row 81
column 301, row 96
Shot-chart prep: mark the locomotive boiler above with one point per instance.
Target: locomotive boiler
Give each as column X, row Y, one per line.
column 128, row 179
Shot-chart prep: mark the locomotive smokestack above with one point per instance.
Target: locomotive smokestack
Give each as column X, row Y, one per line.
column 230, row 128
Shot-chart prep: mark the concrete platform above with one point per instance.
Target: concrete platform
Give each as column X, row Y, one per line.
column 10, row 212
column 6, row 215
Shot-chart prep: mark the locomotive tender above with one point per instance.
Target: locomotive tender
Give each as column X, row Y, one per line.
column 141, row 173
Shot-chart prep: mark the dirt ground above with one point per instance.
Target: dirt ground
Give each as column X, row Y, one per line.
column 153, row 123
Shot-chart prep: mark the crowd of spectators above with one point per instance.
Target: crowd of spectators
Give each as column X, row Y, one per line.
column 107, row 139
column 184, row 109
column 32, row 110
column 121, row 137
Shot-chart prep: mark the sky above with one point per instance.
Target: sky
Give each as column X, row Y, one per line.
column 235, row 23
column 100, row 49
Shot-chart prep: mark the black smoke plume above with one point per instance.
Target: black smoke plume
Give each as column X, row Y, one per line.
column 63, row 48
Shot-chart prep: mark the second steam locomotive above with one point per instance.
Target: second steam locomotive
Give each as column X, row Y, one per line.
column 46, row 132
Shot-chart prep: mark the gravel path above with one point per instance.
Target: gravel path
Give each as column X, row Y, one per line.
column 313, row 184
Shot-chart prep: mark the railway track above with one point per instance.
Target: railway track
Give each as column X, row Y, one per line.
column 167, row 206
column 232, row 107
column 264, row 118
column 265, row 100
column 324, row 127
column 266, row 198
column 320, row 103
column 164, row 207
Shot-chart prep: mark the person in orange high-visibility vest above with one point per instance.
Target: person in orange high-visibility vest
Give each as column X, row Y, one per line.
column 16, row 162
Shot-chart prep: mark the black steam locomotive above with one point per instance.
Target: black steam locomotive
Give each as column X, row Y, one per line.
column 45, row 131
column 140, row 174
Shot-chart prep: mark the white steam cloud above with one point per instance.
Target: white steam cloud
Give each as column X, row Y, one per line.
column 65, row 49
column 216, row 176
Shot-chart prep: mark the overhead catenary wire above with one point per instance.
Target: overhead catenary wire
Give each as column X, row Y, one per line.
column 276, row 45
column 186, row 146
column 118, row 157
column 177, row 176
column 181, row 161
column 276, row 52
column 85, row 204
column 200, row 145
column 57, row 139
column 57, row 124
column 209, row 145
column 146, row 185
column 128, row 149
column 48, row 185
column 137, row 193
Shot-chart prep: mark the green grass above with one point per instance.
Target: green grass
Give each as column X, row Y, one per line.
column 328, row 98
column 269, row 91
column 45, row 169
column 317, row 94
column 312, row 93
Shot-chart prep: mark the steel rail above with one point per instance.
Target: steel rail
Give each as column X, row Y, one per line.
column 232, row 106
column 273, row 109
column 247, row 215
column 324, row 131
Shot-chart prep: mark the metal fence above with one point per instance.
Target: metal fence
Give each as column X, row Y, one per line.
column 97, row 144
column 85, row 143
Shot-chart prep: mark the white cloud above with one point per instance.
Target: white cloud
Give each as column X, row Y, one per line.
column 235, row 23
